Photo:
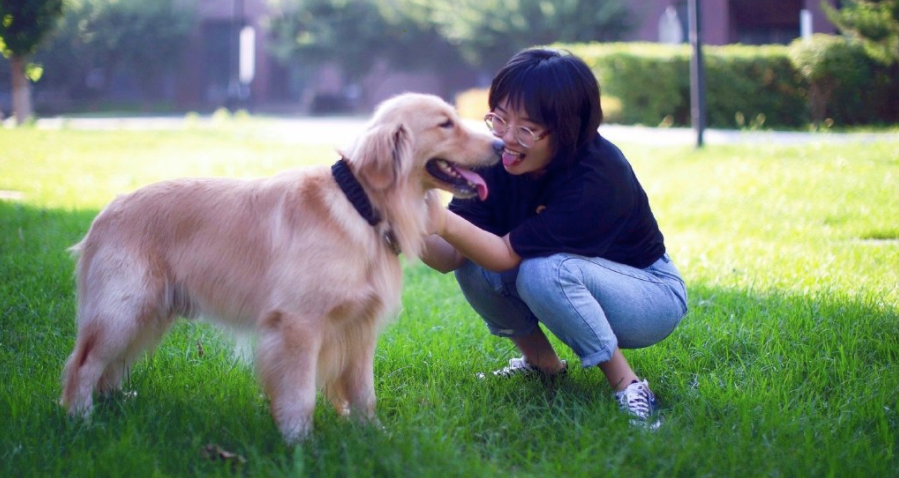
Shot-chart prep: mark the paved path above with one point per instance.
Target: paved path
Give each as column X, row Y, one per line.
column 338, row 130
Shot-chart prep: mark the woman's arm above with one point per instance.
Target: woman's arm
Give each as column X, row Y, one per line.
column 483, row 248
column 441, row 255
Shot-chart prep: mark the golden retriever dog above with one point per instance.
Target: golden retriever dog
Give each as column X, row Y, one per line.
column 307, row 260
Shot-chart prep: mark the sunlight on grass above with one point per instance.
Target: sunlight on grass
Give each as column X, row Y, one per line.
column 774, row 217
column 785, row 365
column 84, row 169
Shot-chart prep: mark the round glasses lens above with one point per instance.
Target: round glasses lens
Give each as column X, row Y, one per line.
column 496, row 124
column 525, row 137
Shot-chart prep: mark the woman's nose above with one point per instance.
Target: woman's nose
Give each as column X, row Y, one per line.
column 508, row 136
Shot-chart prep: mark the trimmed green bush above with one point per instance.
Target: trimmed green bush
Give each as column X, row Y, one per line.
column 753, row 86
column 845, row 84
column 652, row 81
column 833, row 69
column 747, row 86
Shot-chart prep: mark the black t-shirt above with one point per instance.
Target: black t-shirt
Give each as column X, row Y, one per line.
column 596, row 208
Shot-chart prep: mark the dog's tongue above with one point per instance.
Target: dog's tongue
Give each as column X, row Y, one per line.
column 475, row 179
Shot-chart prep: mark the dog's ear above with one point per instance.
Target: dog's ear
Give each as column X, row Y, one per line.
column 383, row 155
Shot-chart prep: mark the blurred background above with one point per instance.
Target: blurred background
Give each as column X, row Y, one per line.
column 320, row 57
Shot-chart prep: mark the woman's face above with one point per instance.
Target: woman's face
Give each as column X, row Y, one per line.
column 518, row 159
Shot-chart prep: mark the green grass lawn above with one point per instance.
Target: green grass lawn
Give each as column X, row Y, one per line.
column 787, row 364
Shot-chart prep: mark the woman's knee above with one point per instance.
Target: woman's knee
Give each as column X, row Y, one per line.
column 540, row 278
column 477, row 281
column 489, row 295
column 469, row 276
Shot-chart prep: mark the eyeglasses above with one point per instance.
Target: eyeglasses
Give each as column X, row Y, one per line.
column 523, row 134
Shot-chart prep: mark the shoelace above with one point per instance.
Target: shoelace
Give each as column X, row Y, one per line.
column 636, row 400
column 516, row 366
column 520, row 366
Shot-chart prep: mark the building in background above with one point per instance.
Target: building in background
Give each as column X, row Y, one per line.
column 209, row 75
column 751, row 22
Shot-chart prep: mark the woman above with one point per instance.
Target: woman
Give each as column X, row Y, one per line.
column 566, row 236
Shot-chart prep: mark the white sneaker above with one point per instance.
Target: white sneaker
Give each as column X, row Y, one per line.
column 520, row 366
column 639, row 402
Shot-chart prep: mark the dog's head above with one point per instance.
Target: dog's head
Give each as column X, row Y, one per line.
column 420, row 138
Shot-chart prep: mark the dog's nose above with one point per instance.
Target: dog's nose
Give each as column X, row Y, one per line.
column 498, row 146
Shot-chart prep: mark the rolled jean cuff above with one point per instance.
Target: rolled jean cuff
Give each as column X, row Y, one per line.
column 597, row 358
column 500, row 332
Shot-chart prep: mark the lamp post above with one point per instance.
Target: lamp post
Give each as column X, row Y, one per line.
column 241, row 58
column 246, row 63
column 697, row 74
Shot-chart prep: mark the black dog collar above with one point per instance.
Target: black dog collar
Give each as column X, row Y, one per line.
column 354, row 192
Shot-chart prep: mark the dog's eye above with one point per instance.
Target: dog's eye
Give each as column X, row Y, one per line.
column 447, row 124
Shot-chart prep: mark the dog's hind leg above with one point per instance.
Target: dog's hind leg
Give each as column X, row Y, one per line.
column 81, row 373
column 119, row 315
column 287, row 359
column 149, row 333
column 98, row 361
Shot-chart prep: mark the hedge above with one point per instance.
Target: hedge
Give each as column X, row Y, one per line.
column 747, row 86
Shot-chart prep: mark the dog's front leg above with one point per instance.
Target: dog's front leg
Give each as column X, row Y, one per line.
column 286, row 359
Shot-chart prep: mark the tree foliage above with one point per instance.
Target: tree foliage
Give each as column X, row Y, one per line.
column 315, row 31
column 829, row 64
column 354, row 34
column 97, row 37
column 435, row 33
column 488, row 32
column 874, row 22
column 24, row 24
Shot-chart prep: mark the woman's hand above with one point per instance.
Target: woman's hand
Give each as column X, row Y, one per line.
column 453, row 239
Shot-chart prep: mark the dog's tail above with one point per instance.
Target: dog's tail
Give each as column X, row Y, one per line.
column 81, row 253
column 75, row 249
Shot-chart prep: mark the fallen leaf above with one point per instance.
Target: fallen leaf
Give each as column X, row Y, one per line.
column 217, row 453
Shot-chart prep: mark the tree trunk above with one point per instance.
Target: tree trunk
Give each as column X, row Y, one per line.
column 21, row 89
column 819, row 95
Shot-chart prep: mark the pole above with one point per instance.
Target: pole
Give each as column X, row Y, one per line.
column 237, row 22
column 697, row 74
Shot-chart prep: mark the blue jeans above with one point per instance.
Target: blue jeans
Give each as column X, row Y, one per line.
column 593, row 305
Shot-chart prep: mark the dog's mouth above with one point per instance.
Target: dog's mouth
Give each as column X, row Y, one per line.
column 464, row 183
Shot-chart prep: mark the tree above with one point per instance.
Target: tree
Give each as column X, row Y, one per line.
column 24, row 24
column 449, row 37
column 874, row 22
column 144, row 37
column 489, row 32
column 95, row 38
column 320, row 31
column 355, row 35
column 829, row 63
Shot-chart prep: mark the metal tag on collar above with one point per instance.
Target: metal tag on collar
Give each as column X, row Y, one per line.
column 392, row 243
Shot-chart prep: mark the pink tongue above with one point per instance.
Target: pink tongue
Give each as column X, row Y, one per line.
column 510, row 159
column 478, row 181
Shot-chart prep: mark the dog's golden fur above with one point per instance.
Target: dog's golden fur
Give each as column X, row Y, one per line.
column 287, row 257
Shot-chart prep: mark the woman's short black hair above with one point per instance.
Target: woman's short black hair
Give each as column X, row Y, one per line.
column 556, row 90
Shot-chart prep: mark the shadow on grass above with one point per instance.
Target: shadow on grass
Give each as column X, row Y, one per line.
column 776, row 383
